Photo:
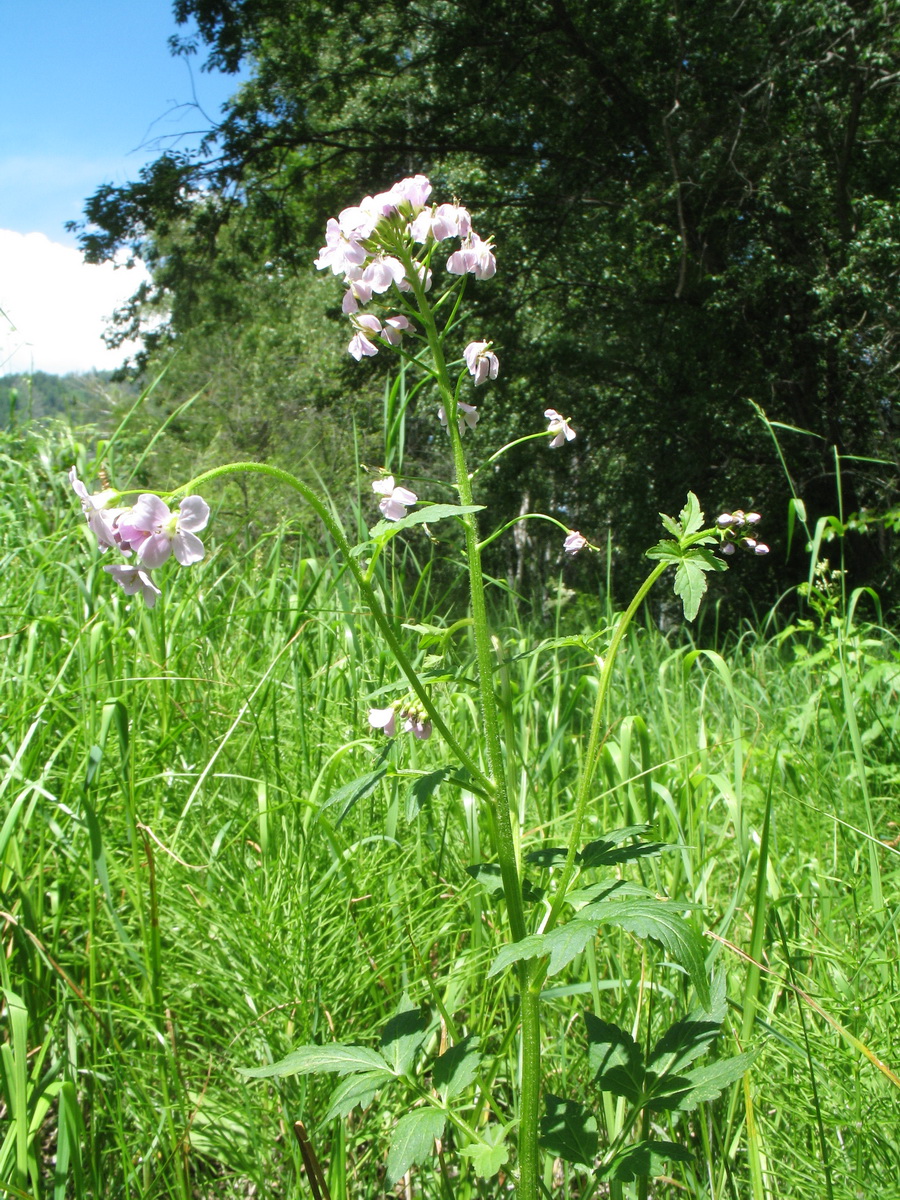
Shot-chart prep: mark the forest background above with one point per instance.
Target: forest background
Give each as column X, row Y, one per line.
column 695, row 213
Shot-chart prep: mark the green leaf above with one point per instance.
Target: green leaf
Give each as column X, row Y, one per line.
column 671, row 524
column 428, row 515
column 549, row 856
column 703, row 1083
column 691, row 516
column 690, row 1037
column 413, row 1141
column 615, row 1058
column 456, row 1068
column 423, row 789
column 403, row 1035
column 490, row 877
column 655, row 919
column 667, row 550
column 643, row 1159
column 605, row 851
column 561, row 946
column 569, row 1130
column 354, row 791
column 690, row 584
column 322, row 1060
column 489, row 1156
column 354, row 1091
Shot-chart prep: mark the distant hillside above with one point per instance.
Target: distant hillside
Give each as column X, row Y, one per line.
column 80, row 398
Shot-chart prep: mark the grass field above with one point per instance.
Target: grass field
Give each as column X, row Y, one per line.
column 186, row 890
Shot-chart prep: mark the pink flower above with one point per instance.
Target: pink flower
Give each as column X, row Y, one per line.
column 103, row 521
column 360, row 345
column 357, row 293
column 469, row 416
column 382, row 271
column 574, row 542
column 450, row 220
column 341, row 252
column 473, row 258
column 416, row 724
column 134, row 580
column 384, row 718
column 414, row 191
column 396, row 499
column 395, row 327
column 558, row 426
column 482, row 363
column 155, row 532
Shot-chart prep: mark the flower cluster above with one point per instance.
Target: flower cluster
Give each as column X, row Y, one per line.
column 731, row 526
column 362, row 244
column 148, row 529
column 413, row 717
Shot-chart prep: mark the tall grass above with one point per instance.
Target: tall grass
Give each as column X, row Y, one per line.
column 187, row 886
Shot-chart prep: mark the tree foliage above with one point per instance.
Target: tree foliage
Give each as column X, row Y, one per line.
column 695, row 206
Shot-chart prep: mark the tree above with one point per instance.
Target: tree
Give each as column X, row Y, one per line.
column 695, row 206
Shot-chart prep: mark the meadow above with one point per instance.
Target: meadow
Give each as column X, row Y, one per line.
column 195, row 881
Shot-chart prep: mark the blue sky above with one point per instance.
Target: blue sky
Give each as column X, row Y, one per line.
column 88, row 93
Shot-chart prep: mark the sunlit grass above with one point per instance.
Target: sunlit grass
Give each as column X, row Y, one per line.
column 181, row 899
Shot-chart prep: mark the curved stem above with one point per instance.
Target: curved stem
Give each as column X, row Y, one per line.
column 593, row 751
column 522, row 517
column 381, row 618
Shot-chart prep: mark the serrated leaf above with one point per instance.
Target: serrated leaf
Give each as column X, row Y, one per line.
column 549, row 856
column 490, row 877
column 690, row 585
column 569, row 1131
column 691, row 516
column 413, row 1141
column 322, row 1060
column 643, row 1159
column 615, row 1058
column 354, row 791
column 703, row 1083
column 671, row 524
column 457, row 1068
column 402, row 1036
column 656, row 919
column 356, row 1091
column 423, row 789
column 683, row 1042
column 488, row 1157
column 580, row 897
column 668, row 551
column 431, row 514
column 607, row 852
column 561, row 946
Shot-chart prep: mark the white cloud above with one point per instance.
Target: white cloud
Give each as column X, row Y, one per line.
column 59, row 306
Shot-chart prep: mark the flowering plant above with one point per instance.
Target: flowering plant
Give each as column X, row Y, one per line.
column 387, row 250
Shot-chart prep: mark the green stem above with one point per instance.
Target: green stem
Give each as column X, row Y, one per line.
column 368, row 592
column 502, row 831
column 593, row 752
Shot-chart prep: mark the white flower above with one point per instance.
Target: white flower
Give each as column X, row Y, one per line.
column 574, row 542
column 558, row 426
column 134, row 580
column 155, row 532
column 396, row 499
column 384, row 718
column 469, row 416
column 481, row 361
